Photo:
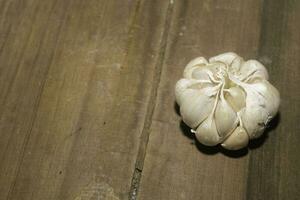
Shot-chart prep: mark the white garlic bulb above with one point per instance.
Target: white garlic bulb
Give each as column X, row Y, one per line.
column 226, row 100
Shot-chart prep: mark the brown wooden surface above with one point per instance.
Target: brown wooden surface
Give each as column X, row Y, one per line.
column 87, row 106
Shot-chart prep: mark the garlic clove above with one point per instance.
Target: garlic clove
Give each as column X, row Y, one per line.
column 271, row 95
column 226, row 58
column 207, row 132
column 216, row 67
column 252, row 69
column 200, row 73
column 262, row 103
column 236, row 97
column 195, row 107
column 236, row 64
column 195, row 63
column 254, row 121
column 225, row 117
column 183, row 84
column 237, row 140
column 254, row 116
column 180, row 87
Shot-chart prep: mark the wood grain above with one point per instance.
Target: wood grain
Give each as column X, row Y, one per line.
column 177, row 167
column 274, row 168
column 87, row 105
column 75, row 82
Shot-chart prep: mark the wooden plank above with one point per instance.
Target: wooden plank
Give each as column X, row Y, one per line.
column 175, row 166
column 27, row 48
column 274, row 169
column 76, row 78
column 173, row 170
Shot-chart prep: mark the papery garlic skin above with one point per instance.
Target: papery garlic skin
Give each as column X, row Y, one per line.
column 226, row 100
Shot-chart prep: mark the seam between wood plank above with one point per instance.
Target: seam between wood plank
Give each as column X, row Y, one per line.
column 247, row 174
column 144, row 138
column 131, row 29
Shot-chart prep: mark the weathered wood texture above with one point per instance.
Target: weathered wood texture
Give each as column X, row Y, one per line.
column 75, row 84
column 87, row 106
column 176, row 168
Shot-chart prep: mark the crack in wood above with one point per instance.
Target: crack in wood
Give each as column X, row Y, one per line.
column 151, row 105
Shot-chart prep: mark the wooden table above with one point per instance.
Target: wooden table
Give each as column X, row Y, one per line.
column 87, row 99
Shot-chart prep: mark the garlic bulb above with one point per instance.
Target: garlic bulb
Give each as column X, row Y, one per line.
column 226, row 100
